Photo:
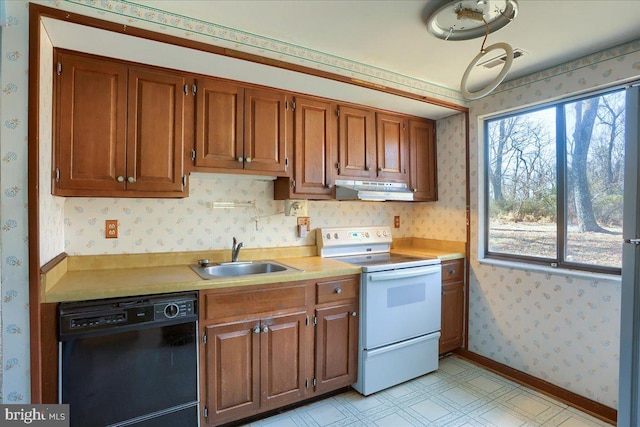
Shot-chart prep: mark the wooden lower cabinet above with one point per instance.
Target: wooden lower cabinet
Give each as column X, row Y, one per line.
column 232, row 370
column 336, row 347
column 268, row 346
column 453, row 297
column 282, row 360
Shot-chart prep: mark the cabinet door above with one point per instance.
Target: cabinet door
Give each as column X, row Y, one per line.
column 282, row 359
column 91, row 101
column 452, row 320
column 422, row 147
column 393, row 147
column 265, row 130
column 336, row 347
column 452, row 316
column 356, row 143
column 314, row 139
column 219, row 124
column 232, row 366
column 155, row 140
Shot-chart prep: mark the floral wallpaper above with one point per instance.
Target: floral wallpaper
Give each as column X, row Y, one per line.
column 192, row 223
column 13, row 206
column 445, row 219
column 555, row 326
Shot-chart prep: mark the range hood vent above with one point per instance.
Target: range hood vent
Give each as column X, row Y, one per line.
column 372, row 191
column 500, row 60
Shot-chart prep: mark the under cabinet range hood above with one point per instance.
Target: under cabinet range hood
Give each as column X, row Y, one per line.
column 347, row 189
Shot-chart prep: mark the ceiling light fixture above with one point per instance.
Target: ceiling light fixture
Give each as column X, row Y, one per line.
column 469, row 19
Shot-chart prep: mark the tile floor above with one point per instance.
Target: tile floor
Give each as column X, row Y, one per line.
column 459, row 394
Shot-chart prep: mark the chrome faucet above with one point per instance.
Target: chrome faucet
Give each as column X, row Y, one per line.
column 235, row 250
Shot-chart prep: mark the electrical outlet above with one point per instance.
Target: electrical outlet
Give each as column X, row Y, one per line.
column 305, row 220
column 396, row 221
column 111, row 228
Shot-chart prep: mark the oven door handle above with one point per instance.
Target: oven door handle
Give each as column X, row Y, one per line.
column 404, row 273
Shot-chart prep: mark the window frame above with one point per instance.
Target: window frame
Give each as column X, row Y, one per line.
column 561, row 182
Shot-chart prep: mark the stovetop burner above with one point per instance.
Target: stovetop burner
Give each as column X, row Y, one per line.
column 367, row 247
column 386, row 261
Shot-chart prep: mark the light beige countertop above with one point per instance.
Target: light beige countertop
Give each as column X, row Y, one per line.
column 77, row 278
column 78, row 285
column 445, row 250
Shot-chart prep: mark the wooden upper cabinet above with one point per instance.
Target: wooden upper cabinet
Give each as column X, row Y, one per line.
column 393, row 147
column 120, row 130
column 91, row 106
column 155, row 140
column 422, row 152
column 314, row 138
column 241, row 128
column 265, row 130
column 356, row 143
column 219, row 124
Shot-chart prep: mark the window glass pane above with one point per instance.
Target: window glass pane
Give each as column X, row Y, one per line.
column 522, row 194
column 595, row 173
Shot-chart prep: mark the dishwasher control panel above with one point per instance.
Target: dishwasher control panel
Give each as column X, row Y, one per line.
column 175, row 309
column 89, row 316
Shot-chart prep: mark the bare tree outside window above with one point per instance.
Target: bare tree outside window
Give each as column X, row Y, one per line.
column 528, row 215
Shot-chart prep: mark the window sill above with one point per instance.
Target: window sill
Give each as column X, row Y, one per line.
column 613, row 278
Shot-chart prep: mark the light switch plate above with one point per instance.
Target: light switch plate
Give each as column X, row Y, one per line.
column 304, row 221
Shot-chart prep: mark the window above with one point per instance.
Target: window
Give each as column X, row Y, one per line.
column 554, row 184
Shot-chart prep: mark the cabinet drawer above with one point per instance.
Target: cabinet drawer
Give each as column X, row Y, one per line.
column 453, row 271
column 218, row 306
column 337, row 290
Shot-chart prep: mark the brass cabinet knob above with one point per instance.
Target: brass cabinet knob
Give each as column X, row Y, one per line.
column 131, row 179
column 120, row 178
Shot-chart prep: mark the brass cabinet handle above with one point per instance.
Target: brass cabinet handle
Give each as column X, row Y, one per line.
column 120, row 178
column 256, row 329
column 240, row 159
column 265, row 329
column 247, row 159
column 131, row 179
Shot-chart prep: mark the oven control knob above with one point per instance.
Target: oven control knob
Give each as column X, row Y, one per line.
column 171, row 310
column 366, row 234
column 328, row 236
column 384, row 233
column 335, row 235
column 378, row 234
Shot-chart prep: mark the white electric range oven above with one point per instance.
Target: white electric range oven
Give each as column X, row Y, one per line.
column 400, row 300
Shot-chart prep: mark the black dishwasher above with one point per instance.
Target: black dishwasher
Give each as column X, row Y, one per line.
column 130, row 361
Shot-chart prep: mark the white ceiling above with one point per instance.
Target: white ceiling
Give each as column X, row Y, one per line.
column 392, row 35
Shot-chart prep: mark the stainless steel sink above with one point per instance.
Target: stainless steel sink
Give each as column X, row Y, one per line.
column 242, row 268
